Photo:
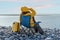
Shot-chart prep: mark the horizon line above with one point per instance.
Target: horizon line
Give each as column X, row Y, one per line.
column 36, row 15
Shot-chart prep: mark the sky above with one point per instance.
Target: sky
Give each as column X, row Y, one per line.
column 40, row 6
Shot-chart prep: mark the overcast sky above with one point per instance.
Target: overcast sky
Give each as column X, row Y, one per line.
column 40, row 6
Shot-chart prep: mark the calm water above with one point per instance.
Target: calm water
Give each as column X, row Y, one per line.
column 52, row 21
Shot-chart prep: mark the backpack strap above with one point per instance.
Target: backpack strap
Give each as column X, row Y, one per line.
column 34, row 20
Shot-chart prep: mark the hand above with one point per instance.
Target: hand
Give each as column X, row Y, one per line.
column 30, row 9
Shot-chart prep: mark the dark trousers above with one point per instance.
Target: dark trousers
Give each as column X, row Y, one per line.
column 37, row 28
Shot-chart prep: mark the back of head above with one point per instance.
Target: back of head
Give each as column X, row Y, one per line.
column 24, row 9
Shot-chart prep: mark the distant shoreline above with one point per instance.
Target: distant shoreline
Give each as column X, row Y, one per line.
column 36, row 15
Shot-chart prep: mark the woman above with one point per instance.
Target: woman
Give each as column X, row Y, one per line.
column 30, row 12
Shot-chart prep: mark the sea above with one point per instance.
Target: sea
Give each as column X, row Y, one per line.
column 47, row 21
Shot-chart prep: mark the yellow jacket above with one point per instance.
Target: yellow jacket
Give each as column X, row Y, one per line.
column 32, row 14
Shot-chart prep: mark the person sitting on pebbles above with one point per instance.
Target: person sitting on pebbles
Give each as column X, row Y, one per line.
column 27, row 19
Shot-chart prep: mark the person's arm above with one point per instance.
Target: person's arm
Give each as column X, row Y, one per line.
column 33, row 13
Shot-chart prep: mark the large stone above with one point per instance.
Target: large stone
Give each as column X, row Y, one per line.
column 2, row 33
column 7, row 39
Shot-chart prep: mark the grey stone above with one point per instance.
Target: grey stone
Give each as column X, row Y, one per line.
column 21, row 38
column 7, row 39
column 2, row 33
column 11, row 38
column 16, row 39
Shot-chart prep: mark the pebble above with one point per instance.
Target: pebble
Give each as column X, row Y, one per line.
column 7, row 39
column 24, row 35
